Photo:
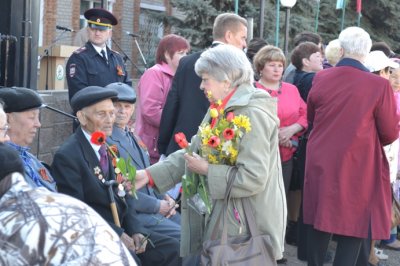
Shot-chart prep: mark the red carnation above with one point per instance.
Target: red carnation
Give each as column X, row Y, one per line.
column 230, row 116
column 180, row 139
column 98, row 138
column 214, row 141
column 228, row 133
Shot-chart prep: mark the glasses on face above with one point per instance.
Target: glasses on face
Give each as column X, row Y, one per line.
column 5, row 130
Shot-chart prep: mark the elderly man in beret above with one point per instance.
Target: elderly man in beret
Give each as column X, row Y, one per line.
column 22, row 107
column 95, row 64
column 80, row 171
column 151, row 206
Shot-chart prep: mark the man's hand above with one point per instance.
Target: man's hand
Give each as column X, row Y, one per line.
column 128, row 242
column 167, row 208
column 141, row 179
column 140, row 243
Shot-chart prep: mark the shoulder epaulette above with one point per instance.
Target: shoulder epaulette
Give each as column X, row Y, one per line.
column 80, row 50
column 114, row 51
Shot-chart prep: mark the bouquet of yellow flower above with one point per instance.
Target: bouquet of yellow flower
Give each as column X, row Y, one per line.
column 219, row 145
column 220, row 139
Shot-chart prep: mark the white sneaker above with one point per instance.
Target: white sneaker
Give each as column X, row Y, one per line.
column 380, row 255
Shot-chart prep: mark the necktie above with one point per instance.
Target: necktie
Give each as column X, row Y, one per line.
column 103, row 54
column 103, row 159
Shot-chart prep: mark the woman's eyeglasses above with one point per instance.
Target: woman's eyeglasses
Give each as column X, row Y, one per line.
column 5, row 130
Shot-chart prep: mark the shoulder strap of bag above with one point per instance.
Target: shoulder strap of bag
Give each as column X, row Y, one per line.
column 224, row 209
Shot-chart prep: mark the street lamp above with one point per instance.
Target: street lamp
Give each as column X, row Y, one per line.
column 288, row 4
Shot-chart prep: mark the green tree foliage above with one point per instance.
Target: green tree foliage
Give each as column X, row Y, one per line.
column 198, row 17
column 379, row 18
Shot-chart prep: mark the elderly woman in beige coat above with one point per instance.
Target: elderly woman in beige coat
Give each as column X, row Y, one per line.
column 228, row 76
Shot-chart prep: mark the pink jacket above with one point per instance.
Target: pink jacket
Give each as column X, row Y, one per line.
column 152, row 91
column 291, row 109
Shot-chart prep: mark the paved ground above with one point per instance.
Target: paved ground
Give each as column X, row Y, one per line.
column 291, row 255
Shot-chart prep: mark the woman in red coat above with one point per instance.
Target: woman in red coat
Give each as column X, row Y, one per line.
column 353, row 113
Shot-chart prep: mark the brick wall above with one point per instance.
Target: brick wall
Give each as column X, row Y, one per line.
column 49, row 21
column 55, row 127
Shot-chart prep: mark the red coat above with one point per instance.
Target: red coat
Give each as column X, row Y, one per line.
column 347, row 184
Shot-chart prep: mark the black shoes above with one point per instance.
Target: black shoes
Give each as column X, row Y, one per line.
column 291, row 233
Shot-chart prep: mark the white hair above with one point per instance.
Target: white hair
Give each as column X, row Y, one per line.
column 355, row 41
column 225, row 63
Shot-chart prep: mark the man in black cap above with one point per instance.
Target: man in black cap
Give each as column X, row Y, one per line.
column 95, row 64
column 80, row 171
column 156, row 211
column 37, row 216
column 22, row 107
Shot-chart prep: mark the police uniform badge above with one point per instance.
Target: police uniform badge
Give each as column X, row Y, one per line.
column 72, row 70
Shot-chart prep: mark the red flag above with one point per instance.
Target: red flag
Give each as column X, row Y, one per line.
column 358, row 6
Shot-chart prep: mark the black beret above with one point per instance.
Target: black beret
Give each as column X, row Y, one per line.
column 100, row 18
column 91, row 95
column 10, row 161
column 20, row 99
column 125, row 92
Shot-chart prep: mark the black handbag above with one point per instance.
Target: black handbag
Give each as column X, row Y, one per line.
column 254, row 249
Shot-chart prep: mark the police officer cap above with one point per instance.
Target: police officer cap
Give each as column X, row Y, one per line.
column 99, row 18
column 20, row 99
column 10, row 161
column 125, row 92
column 91, row 95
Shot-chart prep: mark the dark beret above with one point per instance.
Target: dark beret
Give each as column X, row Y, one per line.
column 125, row 92
column 100, row 18
column 10, row 161
column 91, row 95
column 20, row 99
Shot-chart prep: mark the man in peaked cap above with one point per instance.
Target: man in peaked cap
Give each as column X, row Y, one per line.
column 22, row 107
column 95, row 64
column 80, row 173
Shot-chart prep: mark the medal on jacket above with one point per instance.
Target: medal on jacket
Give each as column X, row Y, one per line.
column 121, row 191
column 120, row 72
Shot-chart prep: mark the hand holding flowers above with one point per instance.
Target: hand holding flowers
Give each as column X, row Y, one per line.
column 220, row 140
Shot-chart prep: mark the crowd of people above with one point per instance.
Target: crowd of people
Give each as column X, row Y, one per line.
column 313, row 147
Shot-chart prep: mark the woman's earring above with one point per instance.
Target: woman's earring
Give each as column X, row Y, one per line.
column 260, row 74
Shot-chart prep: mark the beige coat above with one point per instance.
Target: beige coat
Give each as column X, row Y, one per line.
column 259, row 176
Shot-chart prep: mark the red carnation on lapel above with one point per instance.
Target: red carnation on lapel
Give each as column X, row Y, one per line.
column 98, row 138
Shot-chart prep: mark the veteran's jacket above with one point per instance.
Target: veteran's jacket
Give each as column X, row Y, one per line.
column 74, row 171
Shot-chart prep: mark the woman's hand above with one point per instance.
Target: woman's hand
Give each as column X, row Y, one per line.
column 196, row 164
column 141, row 179
column 286, row 133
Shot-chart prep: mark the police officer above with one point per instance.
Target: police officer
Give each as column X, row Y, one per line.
column 95, row 64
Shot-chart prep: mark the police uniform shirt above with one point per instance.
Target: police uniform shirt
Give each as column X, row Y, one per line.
column 87, row 67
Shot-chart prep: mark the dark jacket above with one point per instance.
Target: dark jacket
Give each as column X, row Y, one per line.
column 73, row 169
column 86, row 67
column 185, row 107
column 148, row 201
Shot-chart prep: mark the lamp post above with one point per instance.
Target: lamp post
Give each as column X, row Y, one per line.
column 288, row 4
